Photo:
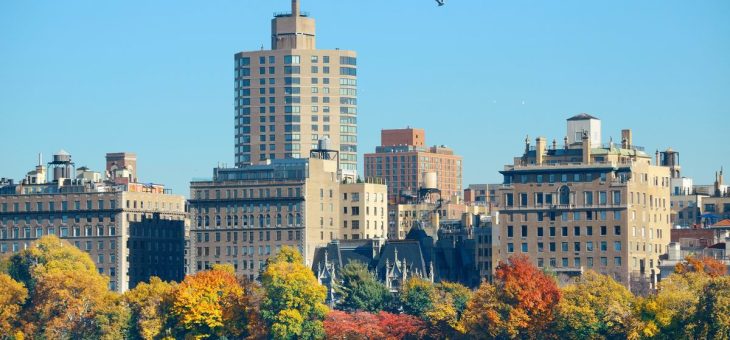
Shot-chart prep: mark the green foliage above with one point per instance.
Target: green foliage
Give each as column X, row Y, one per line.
column 294, row 303
column 417, row 297
column 360, row 290
column 712, row 317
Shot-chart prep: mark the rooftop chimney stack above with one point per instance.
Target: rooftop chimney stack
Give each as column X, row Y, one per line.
column 626, row 141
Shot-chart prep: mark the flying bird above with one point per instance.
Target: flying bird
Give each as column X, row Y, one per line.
column 440, row 2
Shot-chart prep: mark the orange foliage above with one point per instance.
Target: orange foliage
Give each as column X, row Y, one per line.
column 707, row 265
column 532, row 295
column 364, row 325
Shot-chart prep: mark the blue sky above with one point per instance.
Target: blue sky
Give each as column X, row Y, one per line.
column 156, row 77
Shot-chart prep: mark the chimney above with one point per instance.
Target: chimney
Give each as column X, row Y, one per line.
column 540, row 146
column 656, row 157
column 295, row 8
column 626, row 141
column 586, row 145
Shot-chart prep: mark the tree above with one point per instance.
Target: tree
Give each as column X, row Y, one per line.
column 713, row 312
column 703, row 264
column 484, row 317
column 68, row 298
column 417, row 296
column 12, row 297
column 520, row 304
column 151, row 308
column 595, row 307
column 294, row 304
column 668, row 314
column 360, row 290
column 364, row 325
column 440, row 305
column 211, row 303
column 460, row 294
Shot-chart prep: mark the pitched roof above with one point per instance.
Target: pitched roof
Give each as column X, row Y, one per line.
column 582, row 116
column 723, row 223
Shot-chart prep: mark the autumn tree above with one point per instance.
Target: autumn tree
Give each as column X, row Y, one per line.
column 364, row 325
column 668, row 313
column 68, row 298
column 294, row 303
column 459, row 293
column 702, row 264
column 151, row 308
column 521, row 303
column 440, row 305
column 12, row 298
column 417, row 296
column 360, row 290
column 712, row 316
column 595, row 307
column 485, row 316
column 211, row 304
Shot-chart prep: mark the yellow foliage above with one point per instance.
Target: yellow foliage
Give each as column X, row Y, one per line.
column 12, row 297
column 150, row 304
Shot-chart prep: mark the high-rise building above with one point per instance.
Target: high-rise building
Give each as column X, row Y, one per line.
column 586, row 206
column 131, row 230
column 408, row 166
column 289, row 97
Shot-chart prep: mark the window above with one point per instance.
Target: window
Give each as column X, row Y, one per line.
column 617, row 230
column 564, row 231
column 617, row 261
column 524, row 231
column 589, row 246
column 576, row 231
column 510, row 231
column 604, row 246
column 617, row 245
column 564, row 246
column 510, row 247
column 564, row 195
column 524, row 247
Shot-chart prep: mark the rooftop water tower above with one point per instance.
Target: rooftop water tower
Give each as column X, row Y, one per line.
column 61, row 166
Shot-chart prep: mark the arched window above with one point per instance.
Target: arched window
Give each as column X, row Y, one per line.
column 235, row 220
column 261, row 221
column 228, row 220
column 564, row 194
column 200, row 221
column 290, row 220
column 278, row 220
column 299, row 219
column 268, row 220
column 207, row 220
column 217, row 220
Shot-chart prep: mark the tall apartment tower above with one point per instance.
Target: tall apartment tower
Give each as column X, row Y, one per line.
column 289, row 97
column 586, row 206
